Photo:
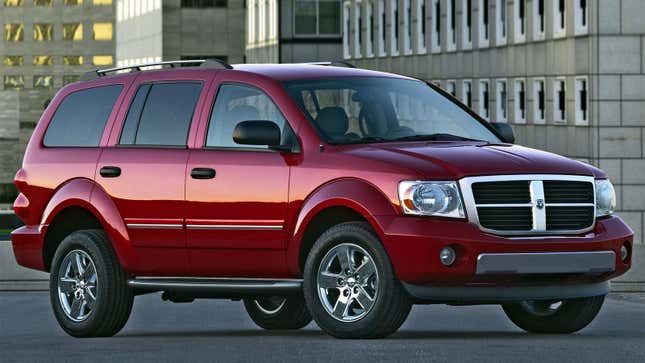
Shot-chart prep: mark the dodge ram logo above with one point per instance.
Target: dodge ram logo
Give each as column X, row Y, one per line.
column 539, row 203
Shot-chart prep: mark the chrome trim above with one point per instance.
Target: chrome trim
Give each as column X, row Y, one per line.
column 537, row 192
column 245, row 227
column 546, row 262
column 217, row 286
column 154, row 226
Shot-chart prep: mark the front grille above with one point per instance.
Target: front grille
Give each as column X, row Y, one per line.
column 506, row 219
column 531, row 204
column 569, row 218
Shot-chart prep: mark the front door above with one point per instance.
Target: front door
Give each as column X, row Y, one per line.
column 144, row 172
column 237, row 195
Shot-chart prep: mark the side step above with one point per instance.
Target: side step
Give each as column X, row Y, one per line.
column 205, row 287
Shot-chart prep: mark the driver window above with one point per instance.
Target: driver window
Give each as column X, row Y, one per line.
column 237, row 103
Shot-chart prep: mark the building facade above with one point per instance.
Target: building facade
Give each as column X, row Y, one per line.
column 293, row 31
column 46, row 44
column 569, row 75
column 155, row 30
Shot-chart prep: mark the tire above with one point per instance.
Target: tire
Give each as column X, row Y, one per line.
column 99, row 303
column 544, row 317
column 371, row 306
column 278, row 313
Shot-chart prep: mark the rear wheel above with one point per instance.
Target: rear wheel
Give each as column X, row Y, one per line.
column 88, row 288
column 278, row 312
column 554, row 316
column 350, row 286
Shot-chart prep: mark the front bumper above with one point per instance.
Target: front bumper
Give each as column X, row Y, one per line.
column 414, row 243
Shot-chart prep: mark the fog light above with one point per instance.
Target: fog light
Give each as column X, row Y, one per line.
column 624, row 253
column 447, row 256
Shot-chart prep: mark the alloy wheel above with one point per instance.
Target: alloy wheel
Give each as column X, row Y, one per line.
column 77, row 285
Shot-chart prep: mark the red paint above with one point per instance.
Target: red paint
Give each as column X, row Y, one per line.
column 269, row 189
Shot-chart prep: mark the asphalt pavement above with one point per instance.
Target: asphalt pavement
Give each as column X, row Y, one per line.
column 218, row 330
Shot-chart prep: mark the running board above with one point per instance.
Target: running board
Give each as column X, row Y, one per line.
column 204, row 287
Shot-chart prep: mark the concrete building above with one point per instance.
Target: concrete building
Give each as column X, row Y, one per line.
column 569, row 75
column 154, row 30
column 292, row 31
column 46, row 44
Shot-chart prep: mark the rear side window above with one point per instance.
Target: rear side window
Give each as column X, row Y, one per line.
column 160, row 114
column 80, row 119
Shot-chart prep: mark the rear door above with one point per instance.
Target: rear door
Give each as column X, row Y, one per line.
column 144, row 169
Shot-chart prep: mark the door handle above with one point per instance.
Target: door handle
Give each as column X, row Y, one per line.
column 202, row 173
column 110, row 171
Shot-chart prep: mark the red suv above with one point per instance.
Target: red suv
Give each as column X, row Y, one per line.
column 309, row 191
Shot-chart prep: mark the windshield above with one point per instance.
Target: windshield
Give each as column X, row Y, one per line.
column 356, row 110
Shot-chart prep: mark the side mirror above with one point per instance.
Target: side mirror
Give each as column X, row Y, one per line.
column 265, row 133
column 505, row 131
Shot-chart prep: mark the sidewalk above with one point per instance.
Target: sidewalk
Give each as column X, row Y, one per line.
column 16, row 278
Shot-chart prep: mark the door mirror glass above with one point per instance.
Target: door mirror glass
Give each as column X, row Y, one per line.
column 257, row 132
column 505, row 131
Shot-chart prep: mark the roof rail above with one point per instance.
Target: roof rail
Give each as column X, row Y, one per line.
column 206, row 63
column 333, row 63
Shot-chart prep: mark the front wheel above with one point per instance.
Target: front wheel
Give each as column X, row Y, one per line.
column 350, row 286
column 278, row 312
column 554, row 316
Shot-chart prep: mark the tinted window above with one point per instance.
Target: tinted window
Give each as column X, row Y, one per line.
column 236, row 103
column 81, row 117
column 164, row 119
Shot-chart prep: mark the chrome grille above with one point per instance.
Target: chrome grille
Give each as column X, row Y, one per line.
column 530, row 204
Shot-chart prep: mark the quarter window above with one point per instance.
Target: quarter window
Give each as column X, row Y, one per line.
column 80, row 119
column 160, row 114
column 235, row 104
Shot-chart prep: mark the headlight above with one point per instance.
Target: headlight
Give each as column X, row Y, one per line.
column 431, row 198
column 605, row 198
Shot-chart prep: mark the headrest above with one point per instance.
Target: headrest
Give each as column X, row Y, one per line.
column 333, row 121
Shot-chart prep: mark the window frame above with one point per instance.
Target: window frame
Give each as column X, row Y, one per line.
column 501, row 28
column 422, row 26
column 518, row 36
column 580, row 121
column 501, row 100
column 317, row 34
column 484, row 100
column 464, row 94
column 559, row 32
column 407, row 27
column 435, row 23
column 516, row 101
column 395, row 34
column 133, row 97
column 556, row 100
column 451, row 19
column 535, row 99
column 484, row 29
column 113, row 113
column 579, row 15
column 382, row 28
column 466, row 31
column 539, row 34
column 295, row 148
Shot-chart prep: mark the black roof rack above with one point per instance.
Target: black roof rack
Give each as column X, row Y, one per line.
column 206, row 63
column 332, row 63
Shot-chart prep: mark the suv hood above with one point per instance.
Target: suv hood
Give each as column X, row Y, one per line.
column 456, row 160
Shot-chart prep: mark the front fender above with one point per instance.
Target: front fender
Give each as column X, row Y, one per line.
column 358, row 195
column 84, row 193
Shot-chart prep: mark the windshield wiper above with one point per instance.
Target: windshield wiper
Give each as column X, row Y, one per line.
column 434, row 137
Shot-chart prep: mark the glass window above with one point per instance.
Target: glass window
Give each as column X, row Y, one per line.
column 501, row 103
column 394, row 27
column 9, row 3
column 72, row 31
column 358, row 30
column 165, row 118
column 305, row 17
column 317, row 17
column 467, row 24
column 203, row 3
column 467, row 93
column 559, row 101
column 452, row 25
column 102, row 31
column 329, row 16
column 72, row 60
column 360, row 110
column 14, row 82
column 43, row 32
column 582, row 101
column 539, row 19
column 520, row 21
column 484, row 99
column 43, row 60
column 81, row 117
column 436, row 26
column 581, row 16
column 70, row 78
column 43, row 2
column 73, row 2
column 102, row 60
column 501, row 22
column 14, row 32
column 539, row 101
column 560, row 17
column 237, row 103
column 346, row 30
column 421, row 26
column 520, row 101
column 44, row 82
column 484, row 23
column 369, row 27
column 381, row 27
column 13, row 60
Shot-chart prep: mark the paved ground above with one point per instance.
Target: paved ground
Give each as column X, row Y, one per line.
column 221, row 331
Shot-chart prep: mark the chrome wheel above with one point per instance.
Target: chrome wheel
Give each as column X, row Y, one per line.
column 270, row 305
column 347, row 282
column 541, row 307
column 77, row 285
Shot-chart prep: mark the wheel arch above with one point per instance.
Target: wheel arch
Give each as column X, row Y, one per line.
column 338, row 201
column 82, row 204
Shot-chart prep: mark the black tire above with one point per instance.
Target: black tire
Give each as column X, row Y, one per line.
column 114, row 298
column 391, row 303
column 571, row 315
column 278, row 313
